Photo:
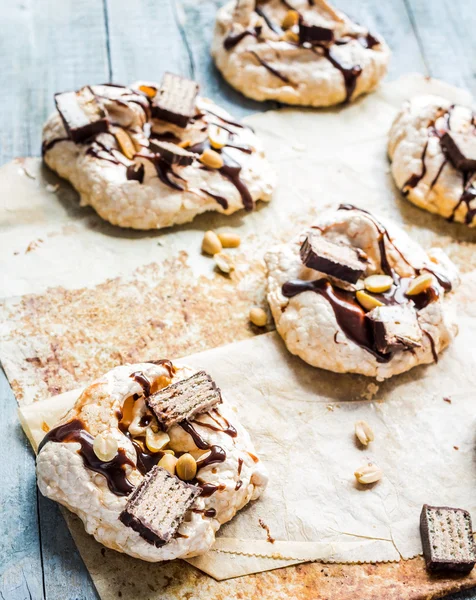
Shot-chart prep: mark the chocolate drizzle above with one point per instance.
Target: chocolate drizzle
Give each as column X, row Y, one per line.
column 271, row 24
column 223, row 202
column 231, row 169
column 350, row 74
column 208, row 489
column 145, row 460
column 228, row 429
column 142, row 381
column 45, row 146
column 415, row 179
column 233, row 40
column 269, row 68
column 112, row 470
column 216, row 454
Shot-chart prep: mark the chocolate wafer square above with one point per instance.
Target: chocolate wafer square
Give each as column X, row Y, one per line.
column 395, row 328
column 158, row 505
column 447, row 539
column 184, row 399
column 175, row 100
column 82, row 113
column 171, row 153
column 337, row 260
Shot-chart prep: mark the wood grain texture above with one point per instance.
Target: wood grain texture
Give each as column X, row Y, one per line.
column 145, row 40
column 20, row 551
column 52, row 45
column 445, row 30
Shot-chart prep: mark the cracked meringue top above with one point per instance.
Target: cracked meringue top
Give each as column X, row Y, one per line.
column 432, row 145
column 296, row 51
column 150, row 156
column 100, row 461
column 354, row 294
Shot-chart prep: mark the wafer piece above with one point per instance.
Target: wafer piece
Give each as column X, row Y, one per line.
column 342, row 262
column 171, row 153
column 447, row 539
column 184, row 399
column 83, row 115
column 461, row 149
column 395, row 328
column 175, row 101
column 158, row 506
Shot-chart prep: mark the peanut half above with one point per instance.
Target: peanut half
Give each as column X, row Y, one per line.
column 224, row 262
column 367, row 301
column 168, row 462
column 186, row 467
column 211, row 159
column 105, row 446
column 364, row 433
column 420, row 284
column 378, row 283
column 258, row 317
column 125, row 143
column 367, row 474
column 211, row 243
column 229, row 240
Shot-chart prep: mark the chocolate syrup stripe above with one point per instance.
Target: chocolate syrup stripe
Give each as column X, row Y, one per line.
column 112, row 470
column 216, row 454
column 231, row 170
column 469, row 191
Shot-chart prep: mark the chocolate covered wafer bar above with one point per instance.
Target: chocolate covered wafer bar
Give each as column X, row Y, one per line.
column 314, row 34
column 447, row 539
column 175, row 100
column 460, row 149
column 171, row 153
column 342, row 262
column 395, row 328
column 83, row 114
column 158, row 505
column 184, row 399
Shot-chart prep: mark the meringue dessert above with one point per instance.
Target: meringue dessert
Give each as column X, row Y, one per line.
column 432, row 146
column 152, row 460
column 296, row 51
column 354, row 294
column 150, row 156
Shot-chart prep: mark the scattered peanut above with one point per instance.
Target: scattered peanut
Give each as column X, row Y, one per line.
column 168, row 462
column 364, row 433
column 185, row 144
column 125, row 143
column 258, row 317
column 367, row 301
column 211, row 243
column 290, row 19
column 378, row 283
column 229, row 240
column 224, row 262
column 420, row 284
column 148, row 90
column 186, row 467
column 290, row 36
column 211, row 159
column 369, row 473
column 105, row 446
column 155, row 441
column 218, row 136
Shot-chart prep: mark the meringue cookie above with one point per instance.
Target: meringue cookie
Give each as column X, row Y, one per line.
column 321, row 60
column 422, row 167
column 99, row 499
column 134, row 191
column 322, row 319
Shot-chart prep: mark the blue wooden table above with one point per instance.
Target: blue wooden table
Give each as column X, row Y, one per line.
column 52, row 45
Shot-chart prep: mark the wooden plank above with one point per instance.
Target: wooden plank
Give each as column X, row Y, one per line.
column 197, row 20
column 45, row 47
column 390, row 19
column 145, row 40
column 445, row 30
column 20, row 552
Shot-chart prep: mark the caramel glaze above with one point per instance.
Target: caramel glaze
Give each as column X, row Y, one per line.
column 112, row 470
column 350, row 315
